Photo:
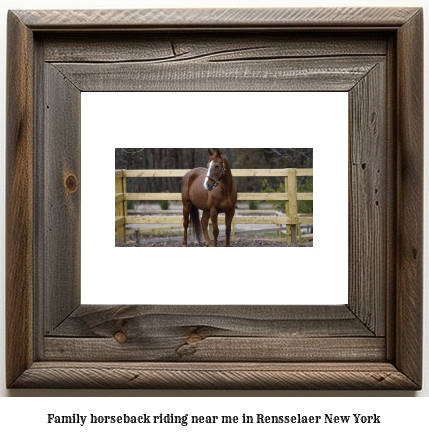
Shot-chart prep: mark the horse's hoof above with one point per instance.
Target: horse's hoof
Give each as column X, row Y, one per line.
column 184, row 244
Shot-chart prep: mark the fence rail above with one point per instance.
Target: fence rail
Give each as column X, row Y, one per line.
column 291, row 219
column 236, row 173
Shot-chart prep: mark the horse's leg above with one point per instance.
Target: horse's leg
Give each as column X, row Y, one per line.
column 228, row 220
column 205, row 225
column 213, row 217
column 186, row 212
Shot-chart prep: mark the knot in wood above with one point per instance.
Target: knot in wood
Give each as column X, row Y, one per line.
column 120, row 337
column 193, row 338
column 71, row 183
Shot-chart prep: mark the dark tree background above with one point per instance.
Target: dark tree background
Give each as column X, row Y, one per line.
column 188, row 158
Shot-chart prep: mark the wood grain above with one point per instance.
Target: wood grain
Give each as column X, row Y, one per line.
column 213, row 333
column 207, row 50
column 368, row 203
column 19, row 200
column 215, row 349
column 151, row 19
column 61, row 185
column 249, row 376
column 409, row 273
column 295, row 74
column 242, row 321
column 226, row 47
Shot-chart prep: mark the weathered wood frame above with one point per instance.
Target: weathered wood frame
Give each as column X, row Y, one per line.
column 374, row 342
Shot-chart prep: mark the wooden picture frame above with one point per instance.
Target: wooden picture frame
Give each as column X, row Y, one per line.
column 373, row 342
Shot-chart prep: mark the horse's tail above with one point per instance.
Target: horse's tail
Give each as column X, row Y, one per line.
column 195, row 222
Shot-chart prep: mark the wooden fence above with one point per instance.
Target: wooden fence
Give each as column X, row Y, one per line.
column 291, row 197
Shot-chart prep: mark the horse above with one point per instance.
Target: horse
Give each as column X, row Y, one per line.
column 213, row 191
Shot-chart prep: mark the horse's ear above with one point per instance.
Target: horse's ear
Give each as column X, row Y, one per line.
column 210, row 152
column 219, row 153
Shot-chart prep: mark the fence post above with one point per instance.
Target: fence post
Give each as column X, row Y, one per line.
column 291, row 205
column 120, row 206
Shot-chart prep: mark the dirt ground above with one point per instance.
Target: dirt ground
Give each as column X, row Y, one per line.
column 240, row 242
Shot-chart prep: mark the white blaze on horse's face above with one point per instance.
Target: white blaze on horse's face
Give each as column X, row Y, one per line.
column 206, row 185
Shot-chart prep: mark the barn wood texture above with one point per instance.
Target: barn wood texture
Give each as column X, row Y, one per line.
column 61, row 197
column 373, row 342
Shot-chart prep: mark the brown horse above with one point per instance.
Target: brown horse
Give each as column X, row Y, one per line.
column 213, row 191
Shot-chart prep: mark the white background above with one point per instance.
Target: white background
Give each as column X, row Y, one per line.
column 274, row 275
column 29, row 415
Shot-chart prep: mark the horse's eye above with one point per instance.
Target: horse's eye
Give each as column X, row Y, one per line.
column 217, row 166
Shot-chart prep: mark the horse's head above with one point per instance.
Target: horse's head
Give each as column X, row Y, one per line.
column 216, row 168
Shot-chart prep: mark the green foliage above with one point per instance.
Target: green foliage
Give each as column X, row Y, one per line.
column 277, row 204
column 165, row 204
column 305, row 184
column 253, row 204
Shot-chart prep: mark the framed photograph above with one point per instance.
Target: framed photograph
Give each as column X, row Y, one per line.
column 57, row 340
